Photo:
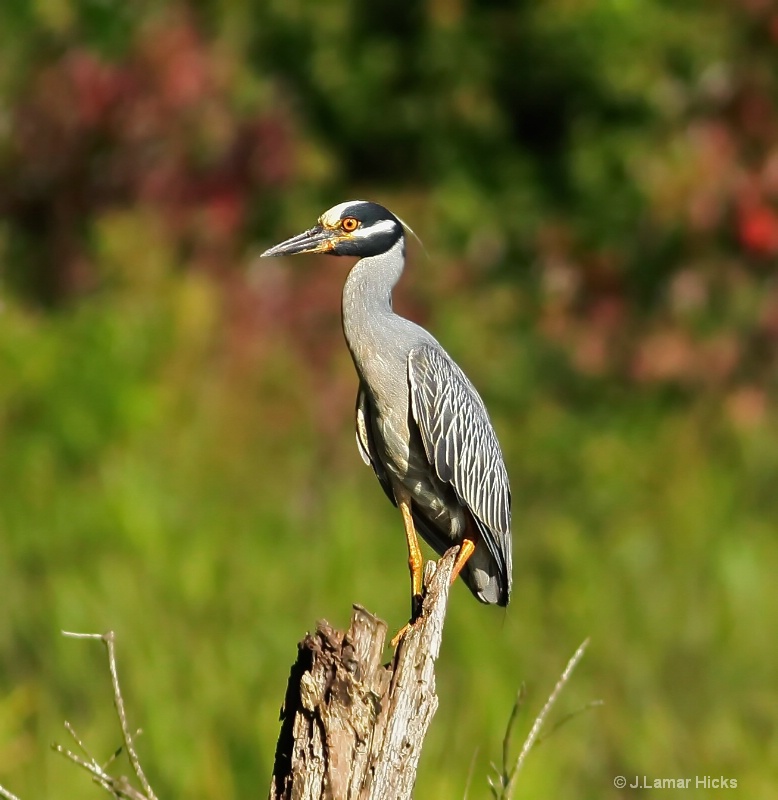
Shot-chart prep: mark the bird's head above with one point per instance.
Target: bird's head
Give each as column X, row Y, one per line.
column 354, row 228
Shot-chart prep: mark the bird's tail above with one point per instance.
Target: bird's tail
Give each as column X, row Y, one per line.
column 486, row 579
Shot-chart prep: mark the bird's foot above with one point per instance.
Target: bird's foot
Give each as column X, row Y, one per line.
column 400, row 635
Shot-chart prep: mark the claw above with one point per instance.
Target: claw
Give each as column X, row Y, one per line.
column 400, row 635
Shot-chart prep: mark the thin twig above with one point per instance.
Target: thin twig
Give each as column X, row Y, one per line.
column 521, row 696
column 119, row 787
column 72, row 731
column 116, row 753
column 503, row 785
column 110, row 639
column 529, row 742
column 94, row 769
column 7, row 795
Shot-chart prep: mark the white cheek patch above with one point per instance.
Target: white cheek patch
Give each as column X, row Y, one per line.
column 377, row 228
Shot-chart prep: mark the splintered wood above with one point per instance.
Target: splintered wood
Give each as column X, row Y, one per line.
column 352, row 728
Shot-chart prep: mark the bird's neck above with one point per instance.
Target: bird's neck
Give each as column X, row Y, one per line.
column 367, row 299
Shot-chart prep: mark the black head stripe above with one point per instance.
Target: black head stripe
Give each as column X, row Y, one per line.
column 367, row 212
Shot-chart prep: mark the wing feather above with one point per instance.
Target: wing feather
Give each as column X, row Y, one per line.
column 461, row 444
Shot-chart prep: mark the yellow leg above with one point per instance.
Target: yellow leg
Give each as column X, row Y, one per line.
column 466, row 549
column 415, row 562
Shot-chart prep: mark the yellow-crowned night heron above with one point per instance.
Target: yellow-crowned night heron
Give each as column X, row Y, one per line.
column 421, row 424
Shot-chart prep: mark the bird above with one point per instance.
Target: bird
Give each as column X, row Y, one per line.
column 420, row 422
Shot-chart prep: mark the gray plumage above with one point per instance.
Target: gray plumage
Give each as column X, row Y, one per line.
column 420, row 422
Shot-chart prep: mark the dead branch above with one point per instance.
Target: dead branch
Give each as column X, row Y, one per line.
column 352, row 728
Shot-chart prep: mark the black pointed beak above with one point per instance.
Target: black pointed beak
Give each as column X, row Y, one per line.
column 316, row 240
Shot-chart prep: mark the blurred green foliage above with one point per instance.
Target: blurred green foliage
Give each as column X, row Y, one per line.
column 596, row 185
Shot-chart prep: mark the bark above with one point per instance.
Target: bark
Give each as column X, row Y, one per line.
column 352, row 728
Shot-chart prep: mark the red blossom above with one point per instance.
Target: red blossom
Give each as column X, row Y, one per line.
column 758, row 229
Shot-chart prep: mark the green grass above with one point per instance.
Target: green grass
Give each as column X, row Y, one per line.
column 153, row 486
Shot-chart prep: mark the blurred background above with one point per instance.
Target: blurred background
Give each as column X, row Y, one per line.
column 596, row 185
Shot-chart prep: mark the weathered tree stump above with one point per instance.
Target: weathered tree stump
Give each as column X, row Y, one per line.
column 352, row 728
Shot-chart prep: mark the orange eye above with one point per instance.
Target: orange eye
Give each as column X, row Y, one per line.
column 349, row 224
